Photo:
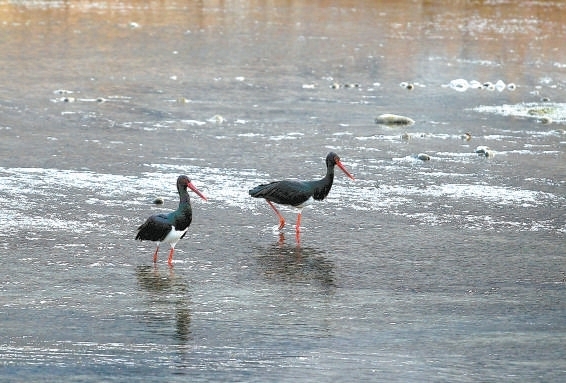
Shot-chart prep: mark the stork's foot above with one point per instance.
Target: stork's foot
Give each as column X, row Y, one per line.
column 281, row 223
column 281, row 219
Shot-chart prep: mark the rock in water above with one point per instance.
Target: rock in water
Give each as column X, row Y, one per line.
column 393, row 119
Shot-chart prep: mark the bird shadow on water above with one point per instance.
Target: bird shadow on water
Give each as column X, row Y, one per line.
column 293, row 263
column 168, row 302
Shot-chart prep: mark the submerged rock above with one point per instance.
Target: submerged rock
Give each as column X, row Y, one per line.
column 217, row 119
column 63, row 91
column 460, row 85
column 484, row 151
column 336, row 85
column 475, row 84
column 499, row 86
column 541, row 112
column 423, row 157
column 393, row 119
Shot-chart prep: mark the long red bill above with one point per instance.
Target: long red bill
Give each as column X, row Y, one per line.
column 344, row 169
column 193, row 188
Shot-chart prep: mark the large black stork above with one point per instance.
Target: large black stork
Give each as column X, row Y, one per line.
column 299, row 193
column 171, row 227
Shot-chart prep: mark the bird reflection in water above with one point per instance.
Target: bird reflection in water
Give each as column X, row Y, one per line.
column 295, row 263
column 166, row 294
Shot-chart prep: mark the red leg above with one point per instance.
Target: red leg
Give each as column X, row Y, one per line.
column 281, row 219
column 155, row 254
column 298, row 228
column 170, row 260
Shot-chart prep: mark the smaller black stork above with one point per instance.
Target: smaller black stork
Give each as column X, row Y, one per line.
column 170, row 228
column 299, row 193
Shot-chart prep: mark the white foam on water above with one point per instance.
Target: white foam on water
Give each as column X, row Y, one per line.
column 555, row 111
column 427, row 204
column 25, row 191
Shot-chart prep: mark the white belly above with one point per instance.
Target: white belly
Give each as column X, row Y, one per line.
column 174, row 235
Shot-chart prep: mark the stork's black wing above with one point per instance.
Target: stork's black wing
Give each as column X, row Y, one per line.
column 155, row 228
column 285, row 192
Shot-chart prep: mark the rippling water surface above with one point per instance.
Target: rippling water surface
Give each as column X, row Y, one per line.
column 448, row 269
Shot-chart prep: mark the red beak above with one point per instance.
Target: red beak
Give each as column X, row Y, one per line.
column 193, row 188
column 344, row 169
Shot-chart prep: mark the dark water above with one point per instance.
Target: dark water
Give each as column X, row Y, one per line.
column 447, row 270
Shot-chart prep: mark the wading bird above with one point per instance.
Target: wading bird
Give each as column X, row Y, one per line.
column 299, row 193
column 171, row 227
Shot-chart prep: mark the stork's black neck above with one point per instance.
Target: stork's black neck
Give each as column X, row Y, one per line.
column 322, row 187
column 183, row 195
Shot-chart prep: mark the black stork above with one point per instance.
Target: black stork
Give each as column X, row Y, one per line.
column 171, row 227
column 299, row 193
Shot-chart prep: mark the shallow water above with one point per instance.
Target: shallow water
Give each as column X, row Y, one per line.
column 450, row 269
